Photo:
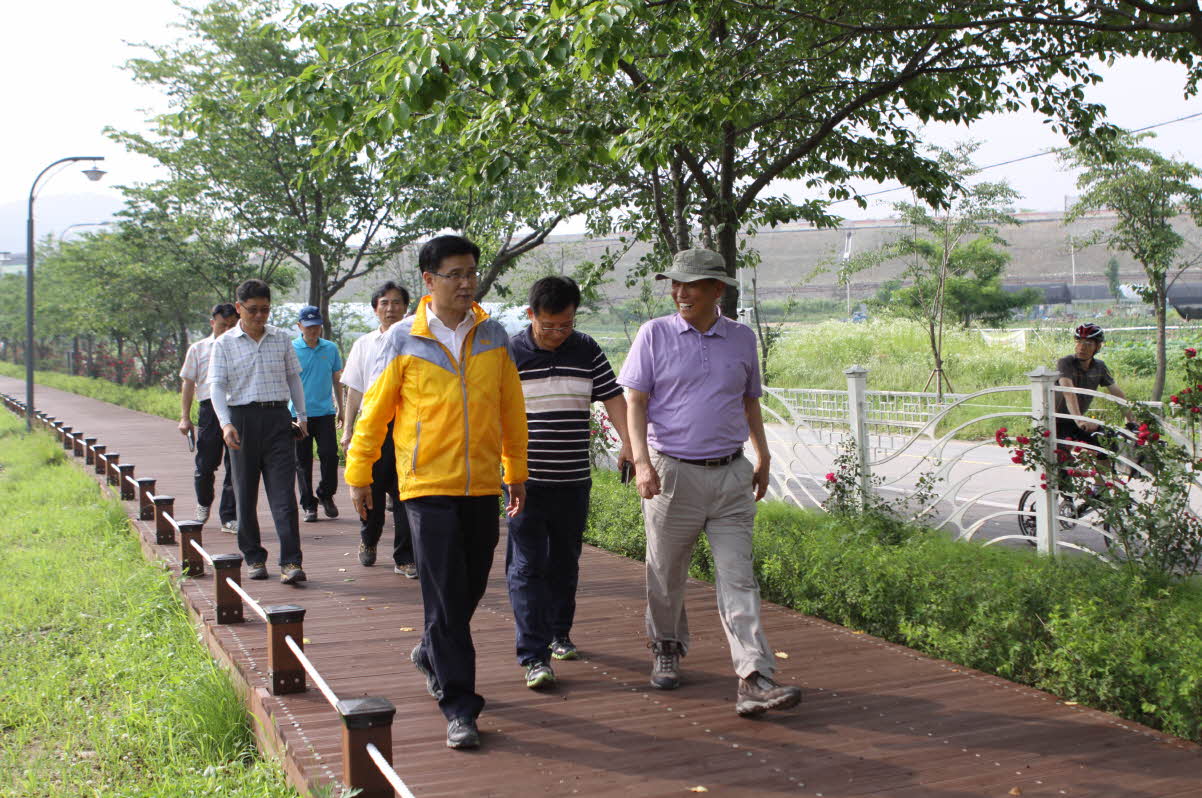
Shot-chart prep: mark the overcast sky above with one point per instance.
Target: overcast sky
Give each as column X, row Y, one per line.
column 63, row 84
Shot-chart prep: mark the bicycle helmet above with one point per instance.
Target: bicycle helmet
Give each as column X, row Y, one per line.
column 1090, row 332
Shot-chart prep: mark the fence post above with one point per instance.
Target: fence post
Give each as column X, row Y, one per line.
column 77, row 445
column 89, row 456
column 110, row 467
column 145, row 491
column 366, row 720
column 125, row 472
column 98, row 461
column 229, row 603
column 66, row 436
column 164, row 530
column 190, row 561
column 1043, row 413
column 283, row 668
column 857, row 407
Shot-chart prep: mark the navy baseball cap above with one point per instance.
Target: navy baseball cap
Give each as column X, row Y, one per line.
column 310, row 316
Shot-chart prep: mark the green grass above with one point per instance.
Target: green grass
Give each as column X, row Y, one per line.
column 1121, row 640
column 155, row 401
column 104, row 686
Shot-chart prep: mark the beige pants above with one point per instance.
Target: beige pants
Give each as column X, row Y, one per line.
column 721, row 501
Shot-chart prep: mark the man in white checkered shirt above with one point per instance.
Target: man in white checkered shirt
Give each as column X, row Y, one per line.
column 253, row 370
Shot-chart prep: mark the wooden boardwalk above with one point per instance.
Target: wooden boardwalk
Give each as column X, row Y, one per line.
column 876, row 719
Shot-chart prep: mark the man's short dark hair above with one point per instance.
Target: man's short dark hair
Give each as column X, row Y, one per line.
column 434, row 251
column 224, row 309
column 554, row 294
column 253, row 289
column 384, row 289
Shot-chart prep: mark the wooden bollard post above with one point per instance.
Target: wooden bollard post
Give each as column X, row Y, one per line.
column 66, row 437
column 145, row 491
column 366, row 720
column 89, row 456
column 98, row 462
column 191, row 563
column 77, row 444
column 283, row 668
column 229, row 603
column 164, row 530
column 125, row 472
column 110, row 469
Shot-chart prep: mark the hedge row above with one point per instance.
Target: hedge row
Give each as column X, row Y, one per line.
column 1119, row 640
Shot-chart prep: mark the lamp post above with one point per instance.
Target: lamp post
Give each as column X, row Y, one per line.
column 92, row 174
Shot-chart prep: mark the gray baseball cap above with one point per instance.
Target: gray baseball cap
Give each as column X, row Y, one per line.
column 691, row 265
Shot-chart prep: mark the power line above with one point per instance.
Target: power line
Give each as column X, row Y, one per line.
column 1033, row 155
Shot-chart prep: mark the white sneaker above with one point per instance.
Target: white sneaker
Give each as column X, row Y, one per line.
column 202, row 513
column 230, row 526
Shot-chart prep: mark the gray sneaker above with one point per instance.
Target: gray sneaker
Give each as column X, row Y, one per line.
column 462, row 733
column 230, row 527
column 202, row 513
column 758, row 694
column 292, row 573
column 564, row 648
column 256, row 570
column 418, row 657
column 539, row 675
column 406, row 569
column 367, row 554
column 665, row 671
column 309, row 515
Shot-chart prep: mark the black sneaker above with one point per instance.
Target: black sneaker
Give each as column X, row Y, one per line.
column 564, row 648
column 758, row 694
column 292, row 573
column 665, row 671
column 367, row 554
column 539, row 675
column 310, row 515
column 462, row 733
column 329, row 507
column 418, row 657
column 256, row 570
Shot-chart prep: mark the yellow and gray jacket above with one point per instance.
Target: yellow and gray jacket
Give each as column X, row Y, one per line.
column 456, row 424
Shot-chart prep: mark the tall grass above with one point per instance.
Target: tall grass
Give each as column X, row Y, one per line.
column 104, row 687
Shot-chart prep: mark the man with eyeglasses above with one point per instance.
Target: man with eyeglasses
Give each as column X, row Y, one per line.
column 445, row 378
column 253, row 371
column 563, row 372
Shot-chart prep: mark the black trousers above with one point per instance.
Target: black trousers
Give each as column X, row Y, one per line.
column 383, row 484
column 210, row 451
column 542, row 566
column 321, row 430
column 454, row 538
column 268, row 451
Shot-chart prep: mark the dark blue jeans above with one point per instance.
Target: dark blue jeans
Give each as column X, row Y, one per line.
column 210, row 450
column 268, row 451
column 454, row 538
column 384, row 483
column 542, row 566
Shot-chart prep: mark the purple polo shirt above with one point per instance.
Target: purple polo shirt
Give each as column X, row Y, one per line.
column 695, row 384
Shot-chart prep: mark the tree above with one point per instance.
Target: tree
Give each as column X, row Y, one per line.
column 1145, row 190
column 1112, row 278
column 228, row 158
column 960, row 239
column 691, row 109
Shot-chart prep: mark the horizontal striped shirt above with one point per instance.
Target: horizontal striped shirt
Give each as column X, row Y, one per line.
column 559, row 387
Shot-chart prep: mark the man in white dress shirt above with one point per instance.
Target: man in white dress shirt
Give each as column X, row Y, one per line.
column 389, row 302
column 210, row 448
column 253, row 370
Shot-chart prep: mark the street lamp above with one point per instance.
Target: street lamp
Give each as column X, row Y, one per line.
column 92, row 174
column 62, row 235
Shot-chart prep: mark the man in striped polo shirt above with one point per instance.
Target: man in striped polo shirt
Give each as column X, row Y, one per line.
column 563, row 372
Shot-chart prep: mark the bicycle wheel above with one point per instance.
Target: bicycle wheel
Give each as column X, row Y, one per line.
column 1026, row 523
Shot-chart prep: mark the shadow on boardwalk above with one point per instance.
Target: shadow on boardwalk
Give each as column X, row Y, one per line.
column 877, row 719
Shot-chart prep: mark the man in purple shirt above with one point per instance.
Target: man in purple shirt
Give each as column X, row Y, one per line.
column 693, row 388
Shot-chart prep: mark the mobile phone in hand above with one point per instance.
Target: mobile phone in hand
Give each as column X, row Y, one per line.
column 296, row 431
column 627, row 472
column 191, row 440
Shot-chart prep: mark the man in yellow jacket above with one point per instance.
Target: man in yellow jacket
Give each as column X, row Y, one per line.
column 445, row 374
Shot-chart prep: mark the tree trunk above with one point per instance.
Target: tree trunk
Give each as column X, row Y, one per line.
column 318, row 297
column 120, row 370
column 1161, row 360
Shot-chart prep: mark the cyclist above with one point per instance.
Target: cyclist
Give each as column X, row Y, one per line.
column 1083, row 369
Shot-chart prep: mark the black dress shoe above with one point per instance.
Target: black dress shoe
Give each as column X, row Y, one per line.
column 462, row 733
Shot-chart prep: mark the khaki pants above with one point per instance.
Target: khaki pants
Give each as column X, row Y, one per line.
column 721, row 501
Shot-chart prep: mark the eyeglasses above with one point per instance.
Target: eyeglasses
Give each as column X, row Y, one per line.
column 256, row 311
column 464, row 277
column 567, row 328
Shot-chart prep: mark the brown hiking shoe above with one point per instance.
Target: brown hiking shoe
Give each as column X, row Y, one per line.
column 758, row 693
column 665, row 671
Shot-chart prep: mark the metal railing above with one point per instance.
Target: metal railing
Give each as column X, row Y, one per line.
column 366, row 722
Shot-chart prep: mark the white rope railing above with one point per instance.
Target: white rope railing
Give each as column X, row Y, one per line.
column 254, row 605
column 387, row 771
column 205, row 554
column 311, row 669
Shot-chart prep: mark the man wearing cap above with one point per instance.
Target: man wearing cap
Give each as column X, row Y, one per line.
column 253, row 371
column 210, row 449
column 321, row 366
column 692, row 384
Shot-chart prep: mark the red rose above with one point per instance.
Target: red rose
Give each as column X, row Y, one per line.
column 1191, row 352
column 1174, row 399
column 1023, row 440
column 1018, row 458
column 831, row 478
column 1155, row 436
column 1195, row 410
column 1001, row 431
column 1047, row 433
